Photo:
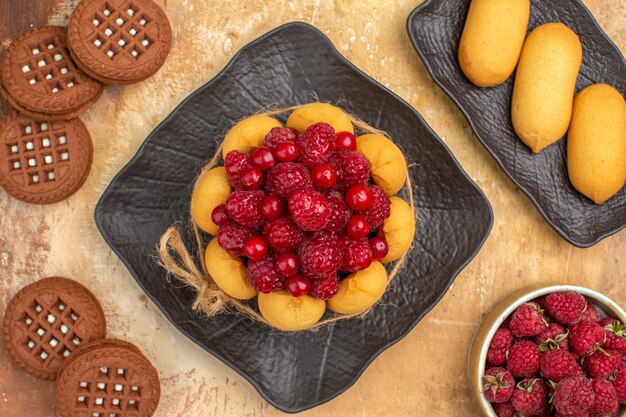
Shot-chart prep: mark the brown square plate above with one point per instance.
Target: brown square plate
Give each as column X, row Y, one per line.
column 435, row 29
column 295, row 371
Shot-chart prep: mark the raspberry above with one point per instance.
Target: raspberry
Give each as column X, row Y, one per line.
column 498, row 385
column 264, row 276
column 309, row 209
column 316, row 144
column 605, row 402
column 566, row 307
column 504, row 409
column 287, row 177
column 602, row 363
column 530, row 397
column 619, row 383
column 244, row 207
column 234, row 163
column 590, row 313
column 279, row 135
column 581, row 414
column 321, row 255
column 615, row 334
column 231, row 238
column 523, row 360
column 552, row 337
column 573, row 395
column 499, row 347
column 527, row 321
column 380, row 208
column 283, row 235
column 325, row 288
column 559, row 364
column 357, row 254
column 585, row 337
column 339, row 212
column 352, row 168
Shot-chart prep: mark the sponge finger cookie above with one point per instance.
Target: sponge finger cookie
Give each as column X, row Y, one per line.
column 388, row 166
column 492, row 40
column 596, row 142
column 544, row 85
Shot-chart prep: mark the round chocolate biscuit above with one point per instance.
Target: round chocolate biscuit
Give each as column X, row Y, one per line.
column 40, row 79
column 46, row 322
column 43, row 162
column 119, row 41
column 108, row 378
column 98, row 343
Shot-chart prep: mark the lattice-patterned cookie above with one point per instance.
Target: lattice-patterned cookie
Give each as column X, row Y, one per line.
column 46, row 322
column 108, row 378
column 40, row 79
column 119, row 41
column 43, row 162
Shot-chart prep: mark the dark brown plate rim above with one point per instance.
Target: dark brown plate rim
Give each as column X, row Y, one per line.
column 418, row 48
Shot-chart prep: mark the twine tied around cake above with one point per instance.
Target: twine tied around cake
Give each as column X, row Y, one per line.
column 174, row 257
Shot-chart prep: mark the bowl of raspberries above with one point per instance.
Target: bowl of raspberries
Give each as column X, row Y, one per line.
column 551, row 351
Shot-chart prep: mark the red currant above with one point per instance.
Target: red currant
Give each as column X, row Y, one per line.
column 287, row 152
column 219, row 215
column 298, row 285
column 263, row 158
column 255, row 248
column 252, row 178
column 359, row 197
column 288, row 264
column 323, row 175
column 379, row 246
column 345, row 141
column 357, row 227
column 272, row 207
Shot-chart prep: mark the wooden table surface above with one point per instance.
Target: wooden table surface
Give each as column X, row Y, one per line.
column 424, row 374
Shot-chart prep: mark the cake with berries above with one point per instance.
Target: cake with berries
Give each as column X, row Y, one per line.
column 304, row 215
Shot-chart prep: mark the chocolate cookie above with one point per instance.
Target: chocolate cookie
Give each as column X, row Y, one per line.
column 98, row 343
column 46, row 322
column 108, row 378
column 40, row 79
column 119, row 41
column 43, row 162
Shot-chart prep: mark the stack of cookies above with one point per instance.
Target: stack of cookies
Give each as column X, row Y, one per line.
column 52, row 74
column 55, row 329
